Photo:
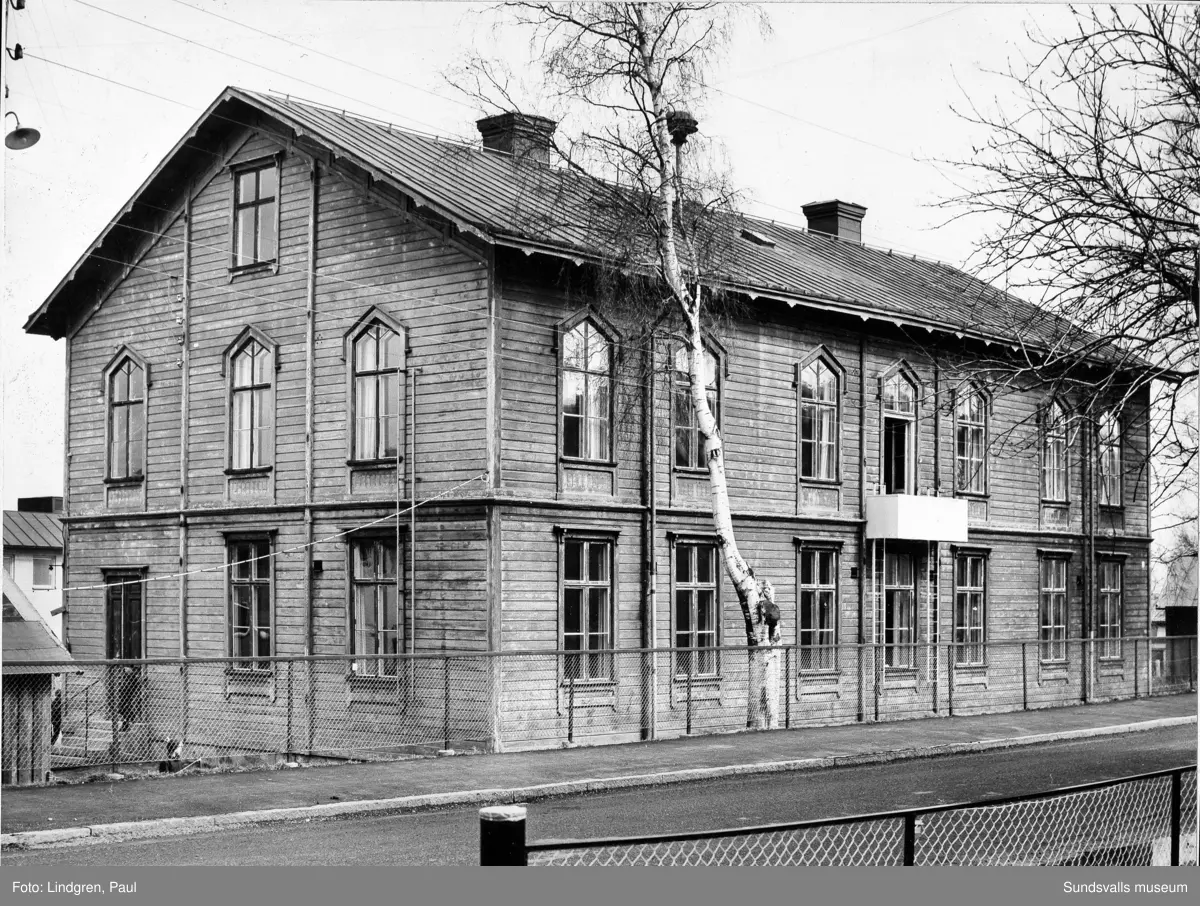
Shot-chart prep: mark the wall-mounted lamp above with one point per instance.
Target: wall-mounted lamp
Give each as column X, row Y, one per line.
column 22, row 137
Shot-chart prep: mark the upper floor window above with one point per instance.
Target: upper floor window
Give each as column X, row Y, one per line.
column 256, row 214
column 587, row 589
column 126, row 420
column 375, row 606
column 689, row 441
column 970, row 413
column 378, row 355
column 819, row 421
column 586, row 393
column 251, row 407
column 1054, row 453
column 1109, row 470
column 43, row 572
column 899, row 434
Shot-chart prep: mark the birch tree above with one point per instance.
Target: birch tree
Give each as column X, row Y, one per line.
column 636, row 70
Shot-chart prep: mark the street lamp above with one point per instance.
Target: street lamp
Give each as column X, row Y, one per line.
column 22, row 137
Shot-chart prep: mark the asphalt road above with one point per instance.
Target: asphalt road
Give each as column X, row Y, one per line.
column 452, row 836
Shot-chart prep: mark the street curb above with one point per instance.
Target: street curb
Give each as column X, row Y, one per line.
column 159, row 827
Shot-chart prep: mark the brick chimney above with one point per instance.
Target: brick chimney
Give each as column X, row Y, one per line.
column 842, row 219
column 39, row 504
column 523, row 135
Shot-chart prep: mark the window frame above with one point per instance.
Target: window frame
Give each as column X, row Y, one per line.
column 902, row 371
column 236, row 172
column 372, row 317
column 1049, row 645
column 907, row 651
column 1048, row 423
column 965, row 647
column 250, row 664
column 50, row 569
column 585, row 318
column 983, row 427
column 243, row 340
column 123, row 577
column 823, row 357
column 1111, row 498
column 828, row 657
column 357, row 659
column 116, row 363
column 1110, row 644
column 721, row 373
column 679, row 671
column 606, row 657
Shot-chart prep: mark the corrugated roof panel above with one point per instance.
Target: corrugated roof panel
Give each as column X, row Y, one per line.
column 23, row 529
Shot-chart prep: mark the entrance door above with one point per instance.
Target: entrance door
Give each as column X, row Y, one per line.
column 123, row 622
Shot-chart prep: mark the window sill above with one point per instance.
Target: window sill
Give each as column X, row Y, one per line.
column 249, row 473
column 971, row 495
column 258, row 267
column 1112, row 507
column 971, row 669
column 819, row 482
column 389, row 463
column 691, row 471
column 1047, row 501
column 1056, row 664
column 586, row 685
column 125, row 482
column 831, row 674
column 254, row 674
column 588, row 463
column 699, row 679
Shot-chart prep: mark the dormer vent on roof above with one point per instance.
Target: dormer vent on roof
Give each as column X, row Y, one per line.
column 523, row 135
column 841, row 219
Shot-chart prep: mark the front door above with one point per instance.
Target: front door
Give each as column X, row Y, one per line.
column 123, row 623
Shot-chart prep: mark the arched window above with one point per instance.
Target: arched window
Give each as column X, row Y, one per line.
column 1109, row 440
column 251, row 417
column 378, row 354
column 970, row 443
column 899, row 433
column 1054, row 453
column 689, row 442
column 586, row 393
column 819, row 428
column 126, row 420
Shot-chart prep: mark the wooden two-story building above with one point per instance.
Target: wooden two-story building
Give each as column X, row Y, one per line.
column 305, row 323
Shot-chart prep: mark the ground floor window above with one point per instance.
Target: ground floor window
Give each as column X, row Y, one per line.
column 250, row 616
column 970, row 571
column 1109, row 600
column 818, row 609
column 375, row 606
column 587, row 594
column 900, row 611
column 1053, row 610
column 123, row 611
column 696, row 609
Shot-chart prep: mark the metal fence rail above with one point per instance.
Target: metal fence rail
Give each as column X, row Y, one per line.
column 1149, row 819
column 207, row 711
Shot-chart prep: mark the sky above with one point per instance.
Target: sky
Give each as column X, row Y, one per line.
column 853, row 101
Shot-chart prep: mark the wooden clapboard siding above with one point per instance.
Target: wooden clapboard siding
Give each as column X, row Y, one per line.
column 368, row 256
column 96, row 549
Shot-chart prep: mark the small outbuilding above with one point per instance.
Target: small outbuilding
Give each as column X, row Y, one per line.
column 30, row 711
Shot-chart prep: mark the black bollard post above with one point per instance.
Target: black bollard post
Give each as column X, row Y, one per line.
column 502, row 835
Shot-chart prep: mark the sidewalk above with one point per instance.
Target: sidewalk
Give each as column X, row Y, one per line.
column 39, row 816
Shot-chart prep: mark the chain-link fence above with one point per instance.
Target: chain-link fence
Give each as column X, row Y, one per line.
column 1145, row 820
column 205, row 711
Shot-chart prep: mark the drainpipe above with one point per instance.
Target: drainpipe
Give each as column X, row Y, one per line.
column 649, row 540
column 310, row 340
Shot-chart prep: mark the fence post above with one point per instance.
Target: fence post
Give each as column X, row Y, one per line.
column 910, row 839
column 1024, row 678
column 114, row 717
column 787, row 688
column 862, row 716
column 187, row 708
column 1136, row 666
column 1176, row 814
column 87, row 720
column 950, row 679
column 502, row 835
column 288, row 753
column 877, row 672
column 445, row 702
column 571, row 709
column 1191, row 666
column 689, row 697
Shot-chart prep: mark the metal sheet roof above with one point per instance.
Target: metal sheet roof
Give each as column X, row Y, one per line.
column 507, row 201
column 26, row 636
column 40, row 530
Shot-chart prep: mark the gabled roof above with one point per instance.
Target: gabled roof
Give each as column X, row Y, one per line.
column 26, row 529
column 507, row 202
column 26, row 636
